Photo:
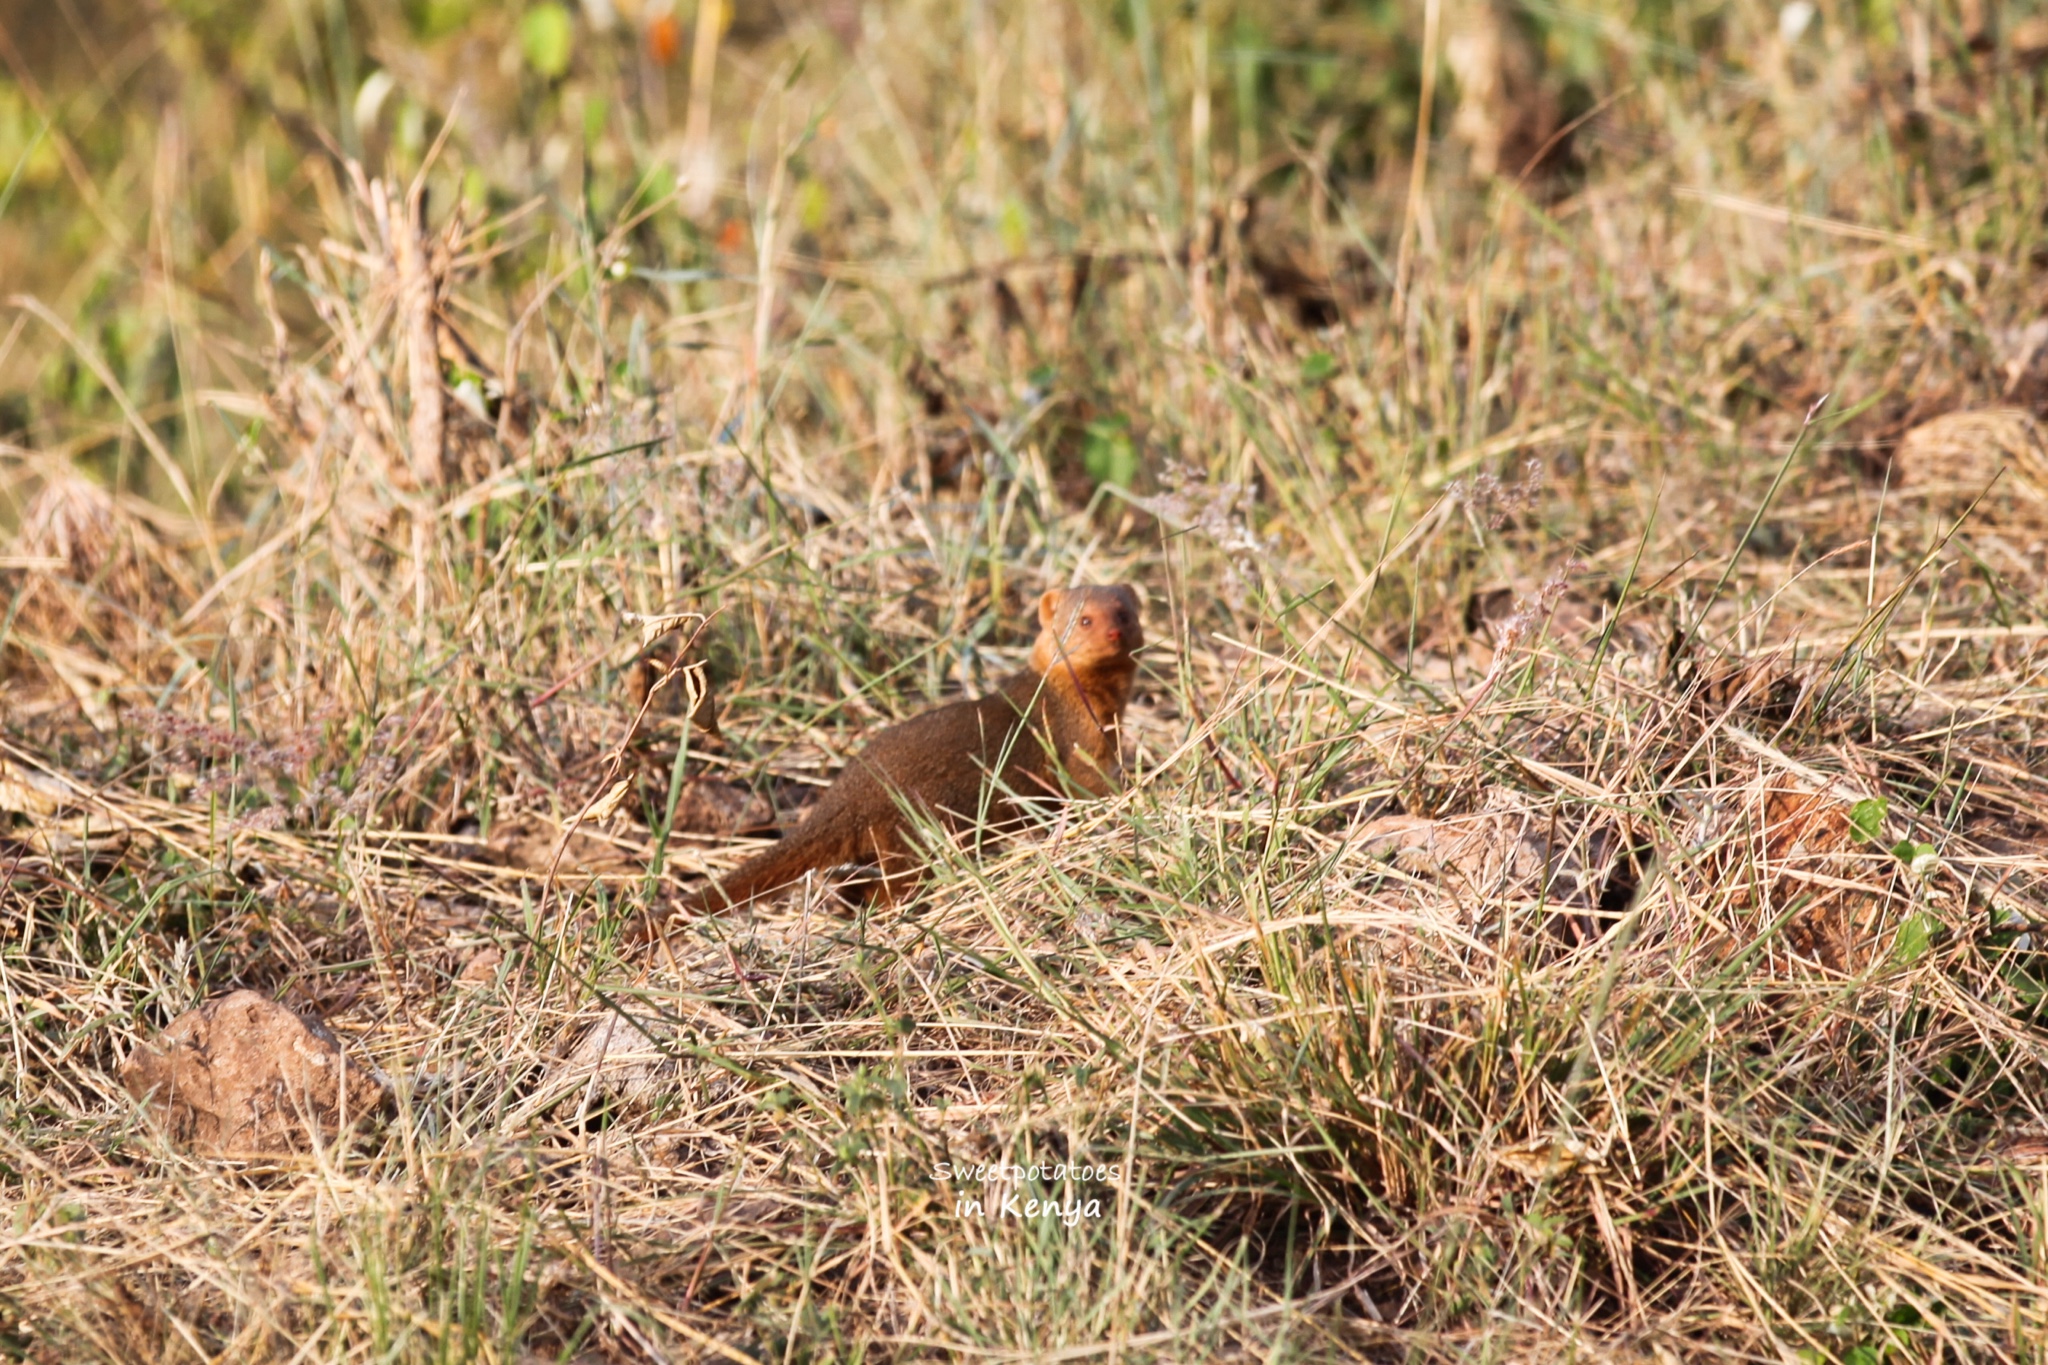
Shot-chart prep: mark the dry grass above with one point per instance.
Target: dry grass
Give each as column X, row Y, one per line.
column 1580, row 888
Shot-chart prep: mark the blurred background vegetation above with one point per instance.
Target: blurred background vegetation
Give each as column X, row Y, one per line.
column 151, row 152
column 1401, row 328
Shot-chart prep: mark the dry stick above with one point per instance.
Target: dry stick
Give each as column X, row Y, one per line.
column 1418, row 169
column 406, row 238
column 764, row 295
column 697, row 161
column 426, row 424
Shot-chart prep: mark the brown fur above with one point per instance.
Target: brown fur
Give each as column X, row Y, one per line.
column 1057, row 717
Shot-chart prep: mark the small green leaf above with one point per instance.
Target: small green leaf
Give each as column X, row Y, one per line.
column 1915, row 937
column 1319, row 365
column 2030, row 989
column 1866, row 818
column 813, row 204
column 431, row 19
column 546, row 34
column 1015, row 228
column 1108, row 454
column 1921, row 859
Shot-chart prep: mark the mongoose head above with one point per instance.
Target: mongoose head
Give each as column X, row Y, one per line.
column 1088, row 627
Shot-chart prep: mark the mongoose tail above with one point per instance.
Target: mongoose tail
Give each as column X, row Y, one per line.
column 827, row 839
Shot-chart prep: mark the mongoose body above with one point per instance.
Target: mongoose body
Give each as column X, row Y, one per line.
column 1053, row 725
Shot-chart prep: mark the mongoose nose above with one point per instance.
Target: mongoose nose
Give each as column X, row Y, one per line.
column 1113, row 635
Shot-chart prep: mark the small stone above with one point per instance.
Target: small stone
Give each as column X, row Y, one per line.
column 622, row 1060
column 482, row 969
column 244, row 1076
column 707, row 805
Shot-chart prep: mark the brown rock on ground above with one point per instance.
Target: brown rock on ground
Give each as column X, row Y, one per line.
column 710, row 806
column 482, row 968
column 621, row 1059
column 243, row 1076
column 1955, row 458
column 1511, row 847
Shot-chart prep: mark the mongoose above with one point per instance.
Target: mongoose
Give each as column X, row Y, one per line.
column 1057, row 718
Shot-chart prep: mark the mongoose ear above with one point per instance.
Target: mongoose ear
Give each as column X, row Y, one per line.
column 1130, row 597
column 1049, row 606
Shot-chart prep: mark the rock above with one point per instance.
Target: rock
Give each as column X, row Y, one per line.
column 1511, row 847
column 531, row 842
column 1953, row 460
column 482, row 969
column 707, row 805
column 621, row 1058
column 244, row 1076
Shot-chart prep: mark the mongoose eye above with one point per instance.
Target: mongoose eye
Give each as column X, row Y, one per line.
column 1087, row 621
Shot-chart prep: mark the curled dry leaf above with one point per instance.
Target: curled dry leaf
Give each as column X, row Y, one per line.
column 653, row 627
column 1791, row 856
column 1551, row 1157
column 607, row 805
column 664, row 684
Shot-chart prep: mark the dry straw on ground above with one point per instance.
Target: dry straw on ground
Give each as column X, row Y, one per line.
column 1579, row 890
